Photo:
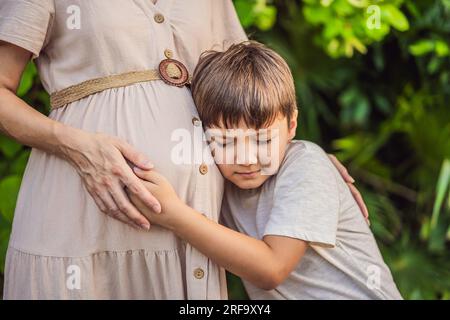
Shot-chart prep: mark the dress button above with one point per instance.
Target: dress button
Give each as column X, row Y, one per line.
column 203, row 169
column 199, row 273
column 159, row 18
column 168, row 53
column 196, row 121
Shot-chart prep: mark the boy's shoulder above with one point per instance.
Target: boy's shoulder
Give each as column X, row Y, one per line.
column 302, row 152
column 305, row 160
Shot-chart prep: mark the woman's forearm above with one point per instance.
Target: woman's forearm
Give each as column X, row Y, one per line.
column 247, row 257
column 29, row 127
column 99, row 159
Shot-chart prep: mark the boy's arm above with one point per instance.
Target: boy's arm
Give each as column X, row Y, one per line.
column 265, row 263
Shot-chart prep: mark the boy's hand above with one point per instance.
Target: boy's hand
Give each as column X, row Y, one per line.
column 350, row 182
column 160, row 187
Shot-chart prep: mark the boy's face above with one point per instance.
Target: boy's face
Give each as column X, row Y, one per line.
column 248, row 157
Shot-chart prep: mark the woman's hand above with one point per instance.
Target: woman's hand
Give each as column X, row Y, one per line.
column 100, row 160
column 350, row 182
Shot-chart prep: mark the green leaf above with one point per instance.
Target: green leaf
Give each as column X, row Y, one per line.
column 442, row 48
column 343, row 8
column 9, row 189
column 326, row 3
column 19, row 163
column 422, row 47
column 434, row 65
column 26, row 82
column 316, row 15
column 265, row 19
column 4, row 239
column 356, row 106
column 358, row 45
column 441, row 189
column 244, row 9
column 382, row 103
column 9, row 147
column 362, row 110
column 359, row 3
column 256, row 12
column 378, row 34
column 425, row 229
column 395, row 17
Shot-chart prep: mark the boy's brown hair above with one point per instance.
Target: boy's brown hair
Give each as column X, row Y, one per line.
column 248, row 82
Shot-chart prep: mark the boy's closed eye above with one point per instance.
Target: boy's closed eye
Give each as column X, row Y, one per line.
column 264, row 141
column 223, row 142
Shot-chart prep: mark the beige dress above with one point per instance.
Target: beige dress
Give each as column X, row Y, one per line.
column 62, row 246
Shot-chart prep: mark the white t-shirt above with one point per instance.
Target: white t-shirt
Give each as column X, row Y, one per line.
column 308, row 200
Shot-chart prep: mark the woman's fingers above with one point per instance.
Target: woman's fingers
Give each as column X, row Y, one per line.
column 126, row 212
column 342, row 170
column 148, row 175
column 104, row 169
column 129, row 179
column 127, row 209
column 137, row 202
column 359, row 200
column 99, row 202
column 136, row 187
column 350, row 181
column 114, row 211
column 133, row 155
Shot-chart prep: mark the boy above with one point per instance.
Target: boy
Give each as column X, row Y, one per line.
column 301, row 234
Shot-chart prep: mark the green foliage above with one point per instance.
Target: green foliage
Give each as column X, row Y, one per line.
column 256, row 12
column 346, row 26
column 13, row 159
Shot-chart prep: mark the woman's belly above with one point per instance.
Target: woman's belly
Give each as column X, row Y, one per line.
column 56, row 216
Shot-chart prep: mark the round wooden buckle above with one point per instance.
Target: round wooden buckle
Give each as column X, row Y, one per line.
column 173, row 72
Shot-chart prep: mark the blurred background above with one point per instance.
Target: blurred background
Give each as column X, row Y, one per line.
column 373, row 87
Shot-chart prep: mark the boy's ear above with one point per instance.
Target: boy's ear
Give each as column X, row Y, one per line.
column 293, row 125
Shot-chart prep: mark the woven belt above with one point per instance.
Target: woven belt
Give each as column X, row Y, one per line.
column 171, row 71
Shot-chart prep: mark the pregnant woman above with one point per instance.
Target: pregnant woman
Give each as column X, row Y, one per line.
column 117, row 96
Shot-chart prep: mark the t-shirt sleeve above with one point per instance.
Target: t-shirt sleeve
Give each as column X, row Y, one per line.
column 26, row 23
column 306, row 200
column 226, row 27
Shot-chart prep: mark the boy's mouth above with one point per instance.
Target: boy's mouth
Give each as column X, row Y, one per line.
column 248, row 174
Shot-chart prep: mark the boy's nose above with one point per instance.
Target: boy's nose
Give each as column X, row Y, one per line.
column 251, row 158
column 246, row 152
